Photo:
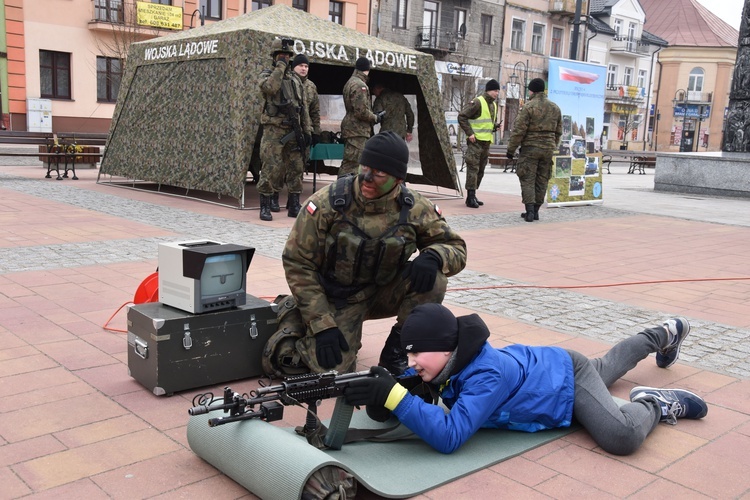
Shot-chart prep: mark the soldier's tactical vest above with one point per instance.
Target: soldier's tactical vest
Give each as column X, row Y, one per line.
column 354, row 259
column 484, row 125
column 290, row 91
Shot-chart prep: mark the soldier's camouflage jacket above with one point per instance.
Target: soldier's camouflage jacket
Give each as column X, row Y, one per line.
column 359, row 117
column 357, row 246
column 399, row 116
column 538, row 125
column 313, row 103
column 271, row 83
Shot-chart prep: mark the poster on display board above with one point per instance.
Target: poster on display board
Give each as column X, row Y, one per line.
column 578, row 89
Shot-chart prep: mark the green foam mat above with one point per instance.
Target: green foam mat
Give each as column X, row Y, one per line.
column 275, row 463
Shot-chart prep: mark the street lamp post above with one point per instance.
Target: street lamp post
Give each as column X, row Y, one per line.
column 200, row 15
column 675, row 101
column 514, row 77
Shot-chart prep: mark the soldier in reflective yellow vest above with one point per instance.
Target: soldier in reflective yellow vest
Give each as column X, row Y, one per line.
column 479, row 121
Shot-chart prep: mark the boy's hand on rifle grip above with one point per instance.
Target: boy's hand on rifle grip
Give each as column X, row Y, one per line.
column 371, row 390
column 328, row 346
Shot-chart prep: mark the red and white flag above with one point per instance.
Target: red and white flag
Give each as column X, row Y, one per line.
column 573, row 75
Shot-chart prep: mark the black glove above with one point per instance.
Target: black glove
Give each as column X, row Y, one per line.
column 423, row 270
column 371, row 390
column 510, row 155
column 328, row 346
column 308, row 139
column 315, row 139
column 380, row 115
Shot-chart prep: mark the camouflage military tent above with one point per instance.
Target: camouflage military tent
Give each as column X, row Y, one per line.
column 188, row 110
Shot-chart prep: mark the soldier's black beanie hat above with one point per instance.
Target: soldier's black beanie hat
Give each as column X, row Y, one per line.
column 300, row 59
column 536, row 85
column 386, row 152
column 430, row 328
column 492, row 85
column 362, row 64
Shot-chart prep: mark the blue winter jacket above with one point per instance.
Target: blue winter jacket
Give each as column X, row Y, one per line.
column 517, row 387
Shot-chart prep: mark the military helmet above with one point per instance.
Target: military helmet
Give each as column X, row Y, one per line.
column 278, row 46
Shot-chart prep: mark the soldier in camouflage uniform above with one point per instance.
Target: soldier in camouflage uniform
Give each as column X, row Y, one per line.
column 399, row 116
column 280, row 86
column 478, row 120
column 301, row 66
column 347, row 258
column 537, row 131
column 356, row 127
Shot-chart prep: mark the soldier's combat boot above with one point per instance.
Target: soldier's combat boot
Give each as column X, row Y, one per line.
column 393, row 356
column 265, row 208
column 536, row 210
column 528, row 215
column 292, row 205
column 471, row 198
column 275, row 202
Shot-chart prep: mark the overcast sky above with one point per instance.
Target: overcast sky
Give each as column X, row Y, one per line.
column 728, row 10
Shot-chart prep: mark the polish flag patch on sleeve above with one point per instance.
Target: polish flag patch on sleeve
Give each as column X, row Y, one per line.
column 311, row 208
column 438, row 210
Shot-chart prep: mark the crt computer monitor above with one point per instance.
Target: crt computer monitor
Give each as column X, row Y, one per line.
column 203, row 276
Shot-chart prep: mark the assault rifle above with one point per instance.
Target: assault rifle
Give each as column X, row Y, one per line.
column 292, row 118
column 267, row 403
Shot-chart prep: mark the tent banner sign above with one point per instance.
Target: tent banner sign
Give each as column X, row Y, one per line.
column 578, row 88
column 317, row 51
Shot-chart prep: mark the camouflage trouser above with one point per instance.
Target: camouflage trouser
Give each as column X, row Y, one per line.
column 393, row 299
column 533, row 169
column 280, row 162
column 353, row 147
column 477, row 154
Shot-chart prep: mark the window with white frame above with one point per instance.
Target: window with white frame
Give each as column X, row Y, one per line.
column 517, row 34
column 618, row 26
column 611, row 75
column 459, row 21
column 557, row 42
column 627, row 77
column 695, row 81
column 537, row 38
column 642, row 75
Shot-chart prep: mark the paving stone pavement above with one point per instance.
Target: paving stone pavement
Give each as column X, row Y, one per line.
column 711, row 346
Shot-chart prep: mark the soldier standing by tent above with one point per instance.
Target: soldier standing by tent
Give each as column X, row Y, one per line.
column 301, row 66
column 399, row 116
column 284, row 113
column 356, row 127
column 478, row 121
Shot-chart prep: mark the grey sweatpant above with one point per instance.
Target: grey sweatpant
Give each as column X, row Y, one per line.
column 619, row 430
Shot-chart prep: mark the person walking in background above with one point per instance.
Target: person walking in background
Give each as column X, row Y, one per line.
column 399, row 116
column 478, row 120
column 523, row 388
column 537, row 131
column 356, row 127
column 284, row 109
column 301, row 66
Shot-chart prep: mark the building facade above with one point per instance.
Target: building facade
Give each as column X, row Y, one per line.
column 64, row 58
column 618, row 40
column 695, row 75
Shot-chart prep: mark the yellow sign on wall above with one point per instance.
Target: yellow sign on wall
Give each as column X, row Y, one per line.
column 159, row 16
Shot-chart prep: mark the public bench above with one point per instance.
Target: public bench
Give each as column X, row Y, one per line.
column 641, row 162
column 498, row 158
column 56, row 148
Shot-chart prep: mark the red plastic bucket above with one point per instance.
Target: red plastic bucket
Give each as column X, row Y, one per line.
column 148, row 290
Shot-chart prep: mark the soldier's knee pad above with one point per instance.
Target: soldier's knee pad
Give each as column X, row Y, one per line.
column 280, row 356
